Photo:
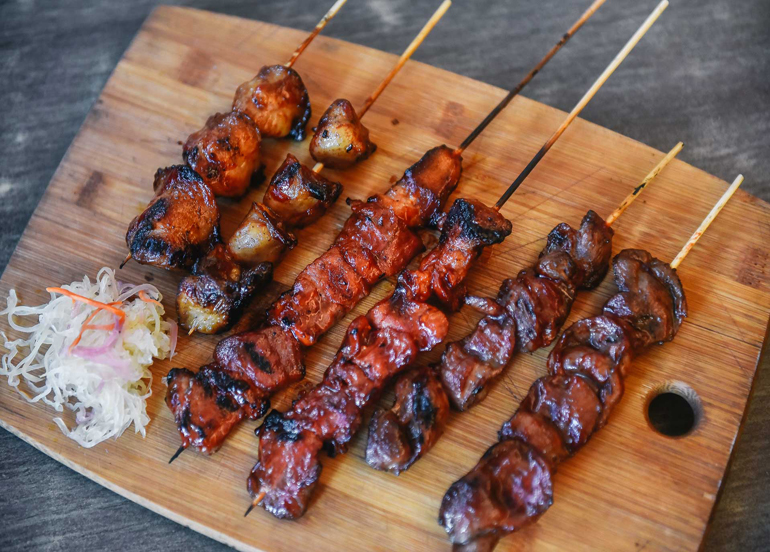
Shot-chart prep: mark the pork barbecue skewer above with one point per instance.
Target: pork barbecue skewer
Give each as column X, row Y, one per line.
column 527, row 315
column 211, row 298
column 378, row 240
column 512, row 485
column 381, row 344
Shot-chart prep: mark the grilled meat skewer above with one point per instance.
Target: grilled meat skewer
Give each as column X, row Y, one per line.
column 512, row 485
column 527, row 314
column 376, row 347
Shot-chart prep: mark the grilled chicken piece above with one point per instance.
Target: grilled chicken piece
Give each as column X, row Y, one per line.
column 341, row 140
column 277, row 101
column 211, row 299
column 416, row 420
column 225, row 153
column 511, row 486
column 179, row 225
column 260, row 238
column 298, row 195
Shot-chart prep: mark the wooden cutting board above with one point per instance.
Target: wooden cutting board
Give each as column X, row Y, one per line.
column 631, row 488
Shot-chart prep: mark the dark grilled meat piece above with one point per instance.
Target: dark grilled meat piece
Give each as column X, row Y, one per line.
column 211, row 299
column 225, row 153
column 260, row 238
column 416, row 420
column 512, row 484
column 179, row 225
column 376, row 347
column 298, row 195
column 207, row 405
column 277, row 101
column 341, row 140
column 532, row 308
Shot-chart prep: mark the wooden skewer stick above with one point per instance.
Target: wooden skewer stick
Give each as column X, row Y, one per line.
column 318, row 28
column 435, row 18
column 255, row 502
column 128, row 258
column 630, row 198
column 707, row 221
column 179, row 451
column 584, row 101
column 535, row 70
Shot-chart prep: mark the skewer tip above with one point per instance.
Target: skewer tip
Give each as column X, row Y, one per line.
column 179, row 451
column 255, row 502
column 128, row 258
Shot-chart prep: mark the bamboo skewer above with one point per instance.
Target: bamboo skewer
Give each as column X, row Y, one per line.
column 630, row 198
column 707, row 221
column 535, row 70
column 584, row 101
column 418, row 40
column 318, row 28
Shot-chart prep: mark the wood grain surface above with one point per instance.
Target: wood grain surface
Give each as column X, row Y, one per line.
column 633, row 487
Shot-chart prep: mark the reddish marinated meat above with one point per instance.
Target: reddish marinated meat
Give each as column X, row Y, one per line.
column 511, row 486
column 225, row 153
column 375, row 242
column 211, row 299
column 179, row 225
column 298, row 195
column 340, row 139
column 247, row 369
column 376, row 347
column 277, row 101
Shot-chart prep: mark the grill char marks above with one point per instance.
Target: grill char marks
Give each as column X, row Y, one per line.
column 179, row 225
column 341, row 140
column 298, row 195
column 376, row 347
column 564, row 409
column 376, row 241
column 277, row 101
column 530, row 309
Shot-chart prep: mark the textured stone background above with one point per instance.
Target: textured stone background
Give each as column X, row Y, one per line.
column 702, row 75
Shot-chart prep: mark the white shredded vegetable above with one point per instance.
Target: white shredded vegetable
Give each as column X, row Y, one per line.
column 104, row 378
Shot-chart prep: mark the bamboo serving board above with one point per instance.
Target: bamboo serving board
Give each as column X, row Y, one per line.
column 631, row 488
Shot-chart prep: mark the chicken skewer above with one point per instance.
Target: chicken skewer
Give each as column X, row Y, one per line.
column 512, row 485
column 527, row 315
column 377, row 240
column 376, row 348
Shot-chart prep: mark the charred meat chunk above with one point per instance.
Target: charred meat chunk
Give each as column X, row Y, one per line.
column 416, row 420
column 277, row 101
column 341, row 140
column 298, row 195
column 179, row 225
column 211, row 299
column 225, row 153
column 260, row 238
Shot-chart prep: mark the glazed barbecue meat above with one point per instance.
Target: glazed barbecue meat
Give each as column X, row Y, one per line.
column 277, row 101
column 207, row 405
column 512, row 485
column 298, row 195
column 527, row 314
column 225, row 153
column 530, row 309
column 341, row 140
column 416, row 420
column 260, row 238
column 376, row 347
column 179, row 225
column 374, row 242
column 211, row 299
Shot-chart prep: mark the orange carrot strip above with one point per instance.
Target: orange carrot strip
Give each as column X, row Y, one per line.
column 97, row 304
column 147, row 299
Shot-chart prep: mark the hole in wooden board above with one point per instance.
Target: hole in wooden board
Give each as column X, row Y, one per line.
column 673, row 409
